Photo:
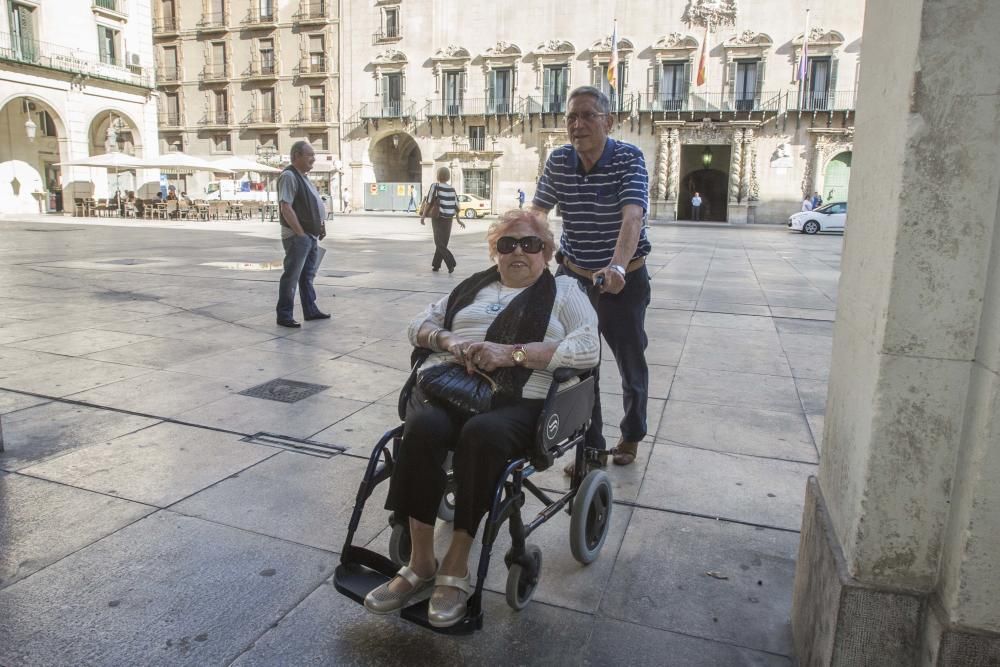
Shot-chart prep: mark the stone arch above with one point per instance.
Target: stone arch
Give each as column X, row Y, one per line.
column 129, row 138
column 395, row 158
column 30, row 180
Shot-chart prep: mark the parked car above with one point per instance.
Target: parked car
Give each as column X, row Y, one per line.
column 829, row 218
column 471, row 206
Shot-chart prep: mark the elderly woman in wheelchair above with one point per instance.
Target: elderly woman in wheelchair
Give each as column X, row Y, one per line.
column 494, row 343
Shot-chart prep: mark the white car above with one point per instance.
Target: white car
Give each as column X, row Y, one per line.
column 829, row 218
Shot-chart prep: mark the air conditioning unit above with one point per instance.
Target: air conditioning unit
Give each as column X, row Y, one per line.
column 134, row 59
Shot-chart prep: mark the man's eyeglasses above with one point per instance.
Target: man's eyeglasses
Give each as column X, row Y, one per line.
column 586, row 117
column 529, row 244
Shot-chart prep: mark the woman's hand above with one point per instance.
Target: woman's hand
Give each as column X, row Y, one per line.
column 488, row 356
column 458, row 348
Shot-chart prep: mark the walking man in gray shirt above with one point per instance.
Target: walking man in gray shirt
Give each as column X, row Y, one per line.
column 302, row 214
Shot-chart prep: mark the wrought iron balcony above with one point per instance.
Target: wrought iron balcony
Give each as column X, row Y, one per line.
column 212, row 22
column 387, row 36
column 166, row 25
column 262, row 70
column 310, row 116
column 216, row 119
column 63, row 59
column 215, row 73
column 262, row 118
column 822, row 100
column 261, row 18
column 387, row 108
column 472, row 107
column 315, row 66
column 312, row 12
column 171, row 120
column 113, row 8
column 168, row 75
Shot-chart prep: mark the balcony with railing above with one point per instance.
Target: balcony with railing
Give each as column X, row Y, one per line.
column 73, row 61
column 116, row 9
column 312, row 12
column 215, row 73
column 262, row 18
column 472, row 107
column 262, row 118
column 387, row 35
column 710, row 103
column 168, row 76
column 212, row 22
column 262, row 70
column 220, row 119
column 387, row 108
column 316, row 65
column 311, row 116
column 822, row 100
column 170, row 120
column 165, row 26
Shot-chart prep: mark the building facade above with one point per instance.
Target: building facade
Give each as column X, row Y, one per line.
column 482, row 87
column 248, row 78
column 76, row 80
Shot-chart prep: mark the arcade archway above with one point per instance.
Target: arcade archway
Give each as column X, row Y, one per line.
column 396, row 159
column 112, row 131
column 701, row 173
column 33, row 135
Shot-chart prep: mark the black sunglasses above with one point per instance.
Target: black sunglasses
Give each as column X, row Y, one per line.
column 529, row 244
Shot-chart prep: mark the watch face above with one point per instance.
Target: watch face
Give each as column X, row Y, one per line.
column 519, row 356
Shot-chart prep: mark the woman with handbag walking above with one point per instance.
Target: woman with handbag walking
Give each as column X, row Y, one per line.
column 513, row 324
column 440, row 206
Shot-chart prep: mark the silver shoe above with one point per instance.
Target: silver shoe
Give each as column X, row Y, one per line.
column 383, row 601
column 443, row 615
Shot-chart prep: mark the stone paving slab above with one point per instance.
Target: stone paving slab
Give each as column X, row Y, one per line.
column 157, row 466
column 161, row 393
column 767, row 392
column 53, row 429
column 42, row 522
column 67, row 376
column 660, row 580
column 167, row 590
column 12, row 401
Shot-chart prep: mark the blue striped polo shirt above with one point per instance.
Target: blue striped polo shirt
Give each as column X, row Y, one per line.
column 591, row 203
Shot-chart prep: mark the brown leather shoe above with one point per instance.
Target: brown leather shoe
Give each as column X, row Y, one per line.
column 602, row 462
column 624, row 453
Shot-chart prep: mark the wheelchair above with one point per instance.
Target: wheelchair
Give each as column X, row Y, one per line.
column 561, row 427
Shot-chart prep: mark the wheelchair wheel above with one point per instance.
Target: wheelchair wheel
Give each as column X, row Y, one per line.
column 588, row 527
column 399, row 544
column 446, row 510
column 521, row 581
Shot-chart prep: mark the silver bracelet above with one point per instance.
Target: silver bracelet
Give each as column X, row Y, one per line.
column 432, row 338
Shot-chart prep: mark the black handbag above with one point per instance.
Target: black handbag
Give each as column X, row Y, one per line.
column 452, row 384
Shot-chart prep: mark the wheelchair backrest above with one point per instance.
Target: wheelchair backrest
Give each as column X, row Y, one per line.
column 566, row 415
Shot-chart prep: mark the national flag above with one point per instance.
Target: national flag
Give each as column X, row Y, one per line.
column 613, row 63
column 800, row 74
column 702, row 76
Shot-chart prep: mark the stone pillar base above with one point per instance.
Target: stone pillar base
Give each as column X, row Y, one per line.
column 736, row 214
column 662, row 210
column 839, row 621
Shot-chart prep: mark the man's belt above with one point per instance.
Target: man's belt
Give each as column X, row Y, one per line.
column 636, row 263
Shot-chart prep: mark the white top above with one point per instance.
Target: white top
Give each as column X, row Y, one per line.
column 573, row 322
column 807, row 205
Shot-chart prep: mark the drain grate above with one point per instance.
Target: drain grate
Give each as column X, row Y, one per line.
column 286, row 391
column 128, row 261
column 295, row 444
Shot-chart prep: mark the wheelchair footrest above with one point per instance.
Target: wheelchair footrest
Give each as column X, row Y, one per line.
column 361, row 571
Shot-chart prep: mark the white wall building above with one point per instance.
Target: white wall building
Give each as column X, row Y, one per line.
column 481, row 87
column 77, row 74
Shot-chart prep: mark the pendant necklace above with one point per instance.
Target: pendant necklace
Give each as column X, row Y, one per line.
column 499, row 304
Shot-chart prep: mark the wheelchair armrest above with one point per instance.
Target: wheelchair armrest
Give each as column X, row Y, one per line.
column 417, row 357
column 564, row 413
column 563, row 374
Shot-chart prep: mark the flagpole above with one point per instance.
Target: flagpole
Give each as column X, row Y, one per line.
column 803, row 72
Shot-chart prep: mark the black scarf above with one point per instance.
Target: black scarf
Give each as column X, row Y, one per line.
column 524, row 320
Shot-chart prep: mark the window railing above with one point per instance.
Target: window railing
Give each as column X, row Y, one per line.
column 64, row 59
column 263, row 117
column 315, row 64
column 387, row 108
column 215, row 72
column 387, row 34
column 114, row 6
column 477, row 143
column 823, row 100
column 168, row 74
column 311, row 10
column 165, row 24
column 216, row 118
column 311, row 115
column 212, row 21
column 261, row 16
column 263, row 69
column 546, row 104
column 170, row 119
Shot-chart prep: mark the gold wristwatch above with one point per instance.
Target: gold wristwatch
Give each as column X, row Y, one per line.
column 518, row 355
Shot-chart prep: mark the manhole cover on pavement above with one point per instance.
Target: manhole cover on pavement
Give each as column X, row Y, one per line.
column 286, row 391
column 128, row 262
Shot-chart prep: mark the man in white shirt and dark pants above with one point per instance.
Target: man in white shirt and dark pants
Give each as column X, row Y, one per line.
column 302, row 214
column 696, row 207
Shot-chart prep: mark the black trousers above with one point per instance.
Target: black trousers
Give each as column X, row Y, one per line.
column 442, row 234
column 622, row 321
column 482, row 444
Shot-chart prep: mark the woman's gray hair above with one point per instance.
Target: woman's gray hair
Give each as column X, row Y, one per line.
column 603, row 103
column 444, row 174
column 539, row 225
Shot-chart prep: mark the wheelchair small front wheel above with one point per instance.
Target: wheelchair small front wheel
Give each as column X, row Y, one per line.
column 446, row 510
column 399, row 544
column 522, row 581
column 591, row 518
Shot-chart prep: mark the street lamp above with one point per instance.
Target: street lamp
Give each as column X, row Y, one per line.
column 706, row 158
column 30, row 129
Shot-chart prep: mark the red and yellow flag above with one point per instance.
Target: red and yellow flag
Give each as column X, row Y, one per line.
column 613, row 62
column 702, row 62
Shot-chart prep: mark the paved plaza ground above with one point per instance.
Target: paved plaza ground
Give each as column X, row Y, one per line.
column 142, row 524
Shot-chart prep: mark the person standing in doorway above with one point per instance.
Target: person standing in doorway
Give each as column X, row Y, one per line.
column 302, row 216
column 442, row 205
column 696, row 207
column 601, row 187
column 520, row 198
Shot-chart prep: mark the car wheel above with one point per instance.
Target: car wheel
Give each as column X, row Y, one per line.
column 811, row 227
column 470, row 213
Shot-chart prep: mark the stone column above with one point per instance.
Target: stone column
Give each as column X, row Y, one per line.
column 495, row 186
column 735, row 167
column 745, row 168
column 662, row 163
column 673, row 165
column 900, row 538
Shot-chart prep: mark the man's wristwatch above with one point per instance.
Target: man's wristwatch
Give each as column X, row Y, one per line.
column 619, row 268
column 518, row 355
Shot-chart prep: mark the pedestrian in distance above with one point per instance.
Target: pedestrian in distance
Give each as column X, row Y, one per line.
column 412, row 204
column 696, row 206
column 606, row 245
column 807, row 204
column 302, row 215
column 347, row 200
column 520, row 198
column 817, row 201
column 441, row 206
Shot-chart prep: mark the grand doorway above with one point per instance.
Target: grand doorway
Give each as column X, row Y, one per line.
column 396, row 159
column 837, row 177
column 705, row 170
